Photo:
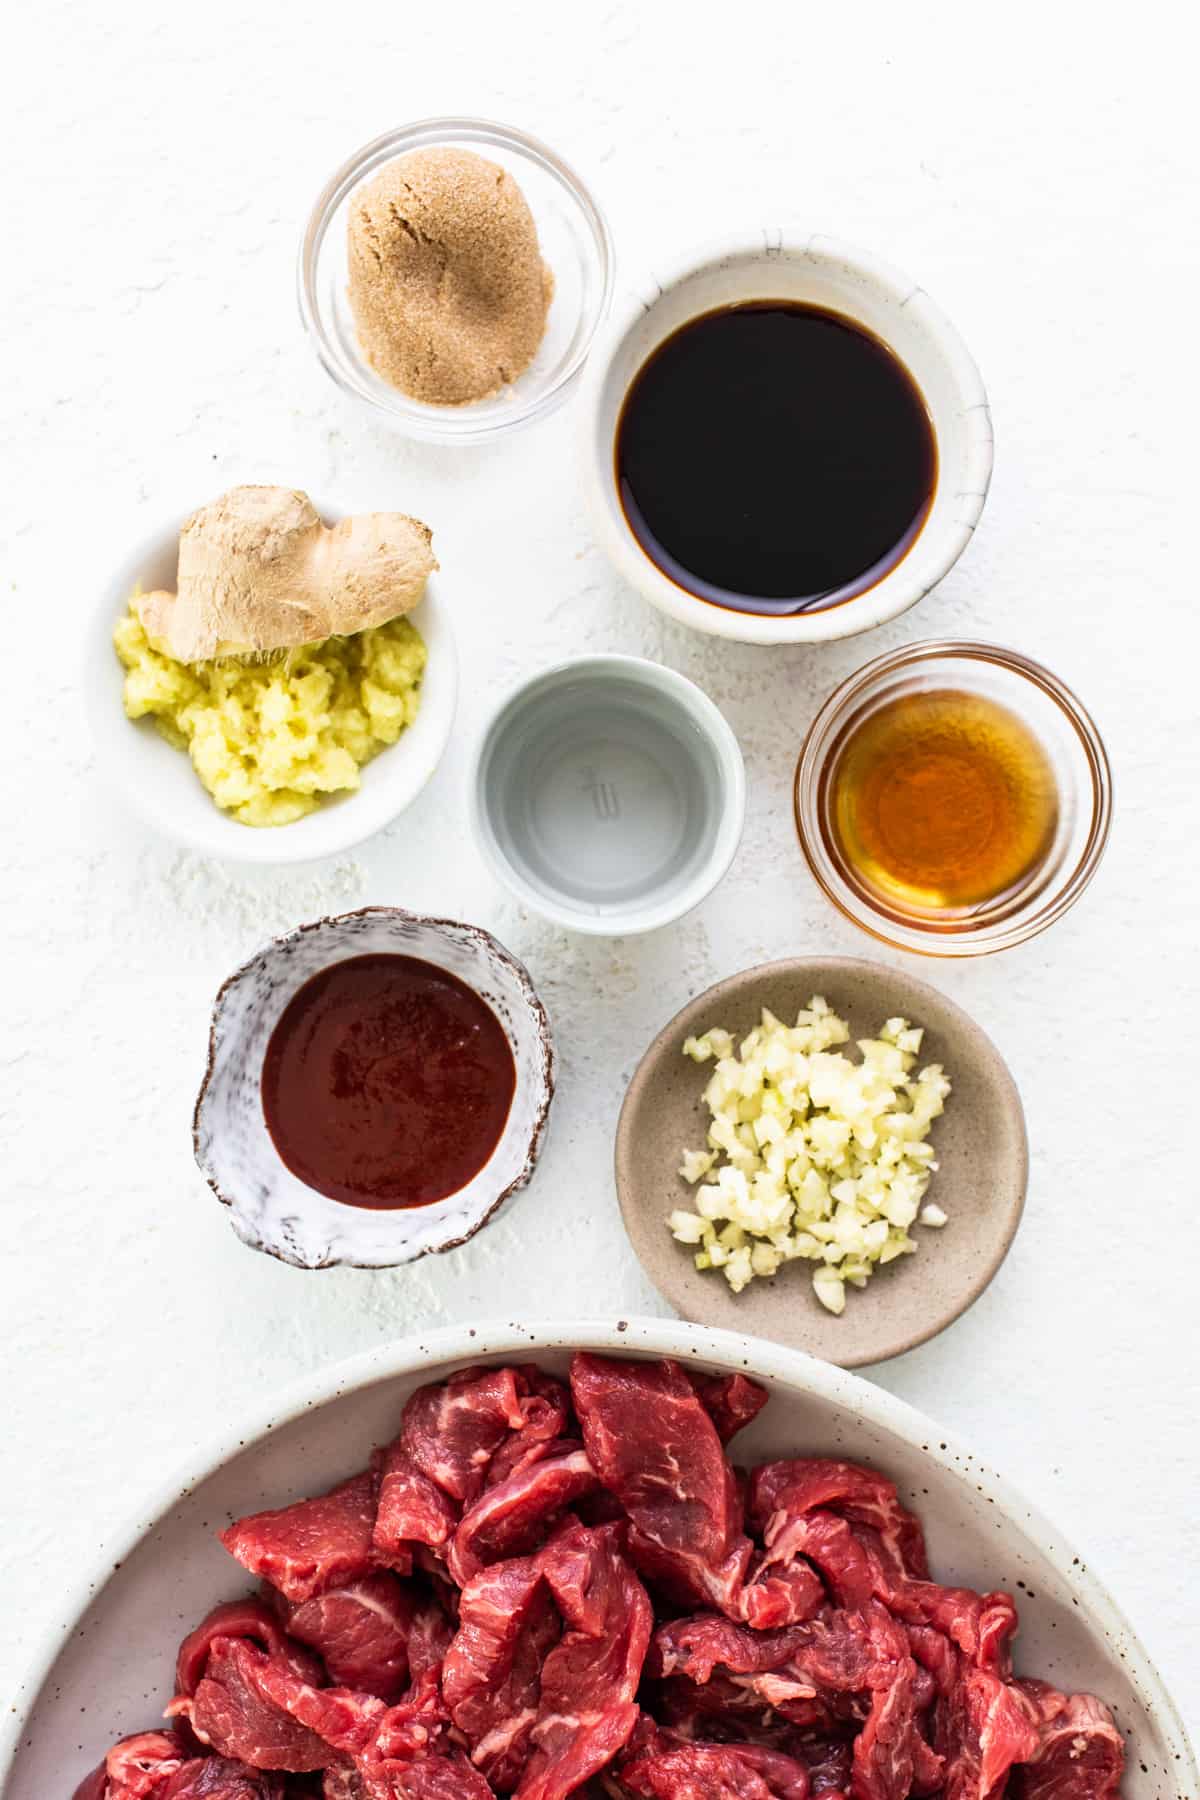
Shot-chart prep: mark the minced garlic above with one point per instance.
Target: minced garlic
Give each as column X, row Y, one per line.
column 811, row 1156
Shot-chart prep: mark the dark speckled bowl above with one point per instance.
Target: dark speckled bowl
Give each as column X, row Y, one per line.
column 979, row 1143
column 271, row 1208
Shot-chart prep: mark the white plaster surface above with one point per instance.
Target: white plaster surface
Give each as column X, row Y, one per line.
column 1035, row 170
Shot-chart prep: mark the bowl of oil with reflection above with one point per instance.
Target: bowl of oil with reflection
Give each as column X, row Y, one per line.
column 953, row 798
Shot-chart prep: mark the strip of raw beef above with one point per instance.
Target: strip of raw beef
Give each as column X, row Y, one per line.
column 412, row 1510
column 491, row 1679
column 217, row 1778
column 313, row 1545
column 717, row 1772
column 248, row 1618
column 416, row 1724
column 143, row 1773
column 982, row 1727
column 654, row 1446
column 828, row 1762
column 731, row 1401
column 587, row 1710
column 853, row 1666
column 722, row 1708
column 361, row 1632
column 411, row 1731
column 450, row 1429
column 343, row 1782
column 785, row 1494
column 94, row 1785
column 343, row 1719
column 448, row 1777
column 136, row 1768
column 1080, row 1753
column 835, row 1653
column 515, row 1515
column 251, row 1706
column 546, row 1409
column 783, row 1596
column 980, row 1625
column 884, row 1763
column 428, row 1639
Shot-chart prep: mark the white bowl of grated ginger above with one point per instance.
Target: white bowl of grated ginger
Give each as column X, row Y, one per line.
column 156, row 777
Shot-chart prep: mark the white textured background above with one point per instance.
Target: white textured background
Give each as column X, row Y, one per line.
column 1036, row 173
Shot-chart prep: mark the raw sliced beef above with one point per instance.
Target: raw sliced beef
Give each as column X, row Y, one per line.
column 136, row 1768
column 428, row 1778
column 546, row 1409
column 698, row 1646
column 1080, row 1753
column 731, row 1401
column 848, row 1666
column 786, row 1493
column 980, row 1625
column 340, row 1717
column 700, row 1771
column 828, row 1761
column 343, row 1782
column 412, row 1510
column 428, row 1639
column 468, row 1618
column 492, row 1675
column 889, row 1751
column 653, row 1444
column 515, row 1515
column 252, row 1707
column 587, row 1710
column 251, row 1619
column 361, row 1632
column 982, row 1727
column 725, row 1709
column 450, row 1429
column 784, row 1596
column 230, row 1712
column 217, row 1778
column 313, row 1545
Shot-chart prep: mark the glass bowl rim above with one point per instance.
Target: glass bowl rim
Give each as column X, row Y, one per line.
column 459, row 424
column 1045, row 907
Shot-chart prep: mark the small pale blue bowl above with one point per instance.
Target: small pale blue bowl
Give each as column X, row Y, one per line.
column 609, row 794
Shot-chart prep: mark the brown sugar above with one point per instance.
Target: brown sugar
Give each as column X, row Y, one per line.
column 447, row 284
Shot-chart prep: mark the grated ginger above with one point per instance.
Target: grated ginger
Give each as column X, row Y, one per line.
column 272, row 739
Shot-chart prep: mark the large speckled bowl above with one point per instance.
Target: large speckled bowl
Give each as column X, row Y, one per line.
column 979, row 1142
column 105, row 1664
column 271, row 1208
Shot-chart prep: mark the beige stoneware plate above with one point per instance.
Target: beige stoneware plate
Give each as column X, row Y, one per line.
column 979, row 1142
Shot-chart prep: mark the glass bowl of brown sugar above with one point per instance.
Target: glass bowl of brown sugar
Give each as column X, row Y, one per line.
column 953, row 798
column 573, row 241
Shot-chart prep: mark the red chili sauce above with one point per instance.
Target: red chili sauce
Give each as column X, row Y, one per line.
column 387, row 1082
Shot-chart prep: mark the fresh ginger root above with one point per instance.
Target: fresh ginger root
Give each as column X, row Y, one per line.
column 259, row 571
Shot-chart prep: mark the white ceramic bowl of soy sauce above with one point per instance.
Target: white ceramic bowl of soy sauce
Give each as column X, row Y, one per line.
column 789, row 266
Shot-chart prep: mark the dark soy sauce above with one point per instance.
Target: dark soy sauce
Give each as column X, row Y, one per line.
column 775, row 458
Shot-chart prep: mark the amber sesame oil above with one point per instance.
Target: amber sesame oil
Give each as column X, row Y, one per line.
column 940, row 802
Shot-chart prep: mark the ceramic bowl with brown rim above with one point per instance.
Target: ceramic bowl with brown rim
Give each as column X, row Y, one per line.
column 271, row 1208
column 979, row 1144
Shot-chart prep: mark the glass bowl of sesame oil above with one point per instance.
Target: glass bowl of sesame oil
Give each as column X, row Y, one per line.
column 953, row 798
